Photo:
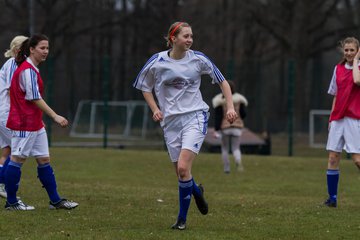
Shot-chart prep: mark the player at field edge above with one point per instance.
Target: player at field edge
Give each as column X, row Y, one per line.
column 230, row 132
column 344, row 122
column 6, row 73
column 175, row 77
column 29, row 136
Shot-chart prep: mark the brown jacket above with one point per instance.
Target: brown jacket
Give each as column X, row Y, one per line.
column 219, row 102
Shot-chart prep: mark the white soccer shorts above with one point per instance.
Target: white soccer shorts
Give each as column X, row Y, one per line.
column 344, row 134
column 34, row 143
column 236, row 132
column 5, row 135
column 186, row 131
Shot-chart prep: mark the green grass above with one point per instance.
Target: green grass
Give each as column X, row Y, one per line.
column 277, row 197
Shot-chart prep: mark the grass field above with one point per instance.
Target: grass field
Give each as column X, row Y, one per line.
column 131, row 194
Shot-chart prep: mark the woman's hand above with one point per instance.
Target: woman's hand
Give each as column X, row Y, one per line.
column 231, row 115
column 63, row 122
column 357, row 56
column 356, row 71
column 157, row 116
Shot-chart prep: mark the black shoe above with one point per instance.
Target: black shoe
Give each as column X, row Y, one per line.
column 330, row 203
column 63, row 204
column 200, row 201
column 179, row 225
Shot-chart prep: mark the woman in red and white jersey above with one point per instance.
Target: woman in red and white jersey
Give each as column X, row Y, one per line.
column 344, row 123
column 29, row 136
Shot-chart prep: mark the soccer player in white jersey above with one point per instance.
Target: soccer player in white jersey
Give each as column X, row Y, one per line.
column 29, row 136
column 6, row 73
column 175, row 76
column 344, row 126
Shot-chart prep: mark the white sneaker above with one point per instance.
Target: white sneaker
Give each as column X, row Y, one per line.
column 3, row 191
column 20, row 205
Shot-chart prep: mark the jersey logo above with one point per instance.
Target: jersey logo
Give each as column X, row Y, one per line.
column 180, row 83
column 161, row 60
column 196, row 145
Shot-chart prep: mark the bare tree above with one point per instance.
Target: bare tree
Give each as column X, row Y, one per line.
column 303, row 28
column 250, row 41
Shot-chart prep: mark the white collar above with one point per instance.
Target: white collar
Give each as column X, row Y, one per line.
column 29, row 61
column 348, row 66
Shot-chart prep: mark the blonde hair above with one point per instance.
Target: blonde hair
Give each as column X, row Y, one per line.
column 348, row 40
column 174, row 30
column 14, row 46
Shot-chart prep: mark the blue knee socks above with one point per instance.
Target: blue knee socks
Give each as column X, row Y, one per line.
column 3, row 169
column 332, row 183
column 12, row 180
column 185, row 191
column 47, row 178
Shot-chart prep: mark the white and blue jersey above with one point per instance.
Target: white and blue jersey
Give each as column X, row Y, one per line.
column 6, row 73
column 176, row 83
column 29, row 82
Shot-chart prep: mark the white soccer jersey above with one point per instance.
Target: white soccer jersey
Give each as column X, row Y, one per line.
column 6, row 73
column 29, row 83
column 177, row 82
column 333, row 87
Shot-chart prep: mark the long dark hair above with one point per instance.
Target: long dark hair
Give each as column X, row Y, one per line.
column 24, row 50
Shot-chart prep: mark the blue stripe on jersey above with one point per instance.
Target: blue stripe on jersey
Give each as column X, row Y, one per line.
column 216, row 71
column 12, row 69
column 2, row 69
column 34, row 84
column 153, row 57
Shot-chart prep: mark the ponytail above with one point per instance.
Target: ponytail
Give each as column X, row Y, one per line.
column 24, row 52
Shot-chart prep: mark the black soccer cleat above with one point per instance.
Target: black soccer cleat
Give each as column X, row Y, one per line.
column 179, row 225
column 200, row 201
column 330, row 203
column 63, row 204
